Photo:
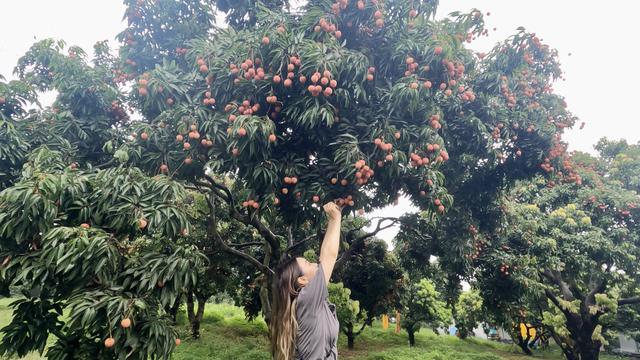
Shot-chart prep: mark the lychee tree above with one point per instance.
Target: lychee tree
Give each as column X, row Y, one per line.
column 420, row 255
column 576, row 246
column 81, row 233
column 354, row 101
column 302, row 153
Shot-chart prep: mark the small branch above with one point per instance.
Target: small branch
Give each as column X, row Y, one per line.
column 247, row 244
column 245, row 256
column 296, row 245
column 108, row 163
column 556, row 302
column 290, row 237
column 379, row 227
column 595, row 289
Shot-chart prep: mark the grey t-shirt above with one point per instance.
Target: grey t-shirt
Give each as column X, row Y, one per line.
column 318, row 326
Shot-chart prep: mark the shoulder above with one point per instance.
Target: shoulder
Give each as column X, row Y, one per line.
column 315, row 291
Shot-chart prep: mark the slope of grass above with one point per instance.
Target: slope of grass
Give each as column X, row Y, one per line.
column 226, row 335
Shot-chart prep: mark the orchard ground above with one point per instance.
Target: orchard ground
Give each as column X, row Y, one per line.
column 226, row 334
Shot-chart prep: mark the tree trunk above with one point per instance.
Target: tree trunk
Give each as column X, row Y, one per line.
column 590, row 351
column 350, row 336
column 412, row 338
column 190, row 313
column 463, row 333
column 173, row 311
column 581, row 329
column 265, row 297
column 564, row 346
column 523, row 343
column 197, row 318
column 588, row 348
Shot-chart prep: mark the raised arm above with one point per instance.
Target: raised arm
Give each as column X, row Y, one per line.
column 331, row 242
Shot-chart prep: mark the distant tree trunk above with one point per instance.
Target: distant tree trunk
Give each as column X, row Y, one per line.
column 412, row 337
column 350, row 340
column 462, row 331
column 197, row 319
column 190, row 314
column 350, row 336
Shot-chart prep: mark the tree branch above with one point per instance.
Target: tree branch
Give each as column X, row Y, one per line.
column 245, row 256
column 379, row 227
column 213, row 233
column 296, row 245
column 247, row 244
column 347, row 253
column 556, row 302
column 198, row 186
column 555, row 278
column 595, row 289
column 364, row 324
column 629, row 301
column 290, row 237
column 252, row 219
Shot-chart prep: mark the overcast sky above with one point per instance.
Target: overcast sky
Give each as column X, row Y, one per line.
column 600, row 87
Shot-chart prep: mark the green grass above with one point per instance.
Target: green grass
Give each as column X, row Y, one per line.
column 226, row 335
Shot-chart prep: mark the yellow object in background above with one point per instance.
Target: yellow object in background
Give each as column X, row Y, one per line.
column 527, row 328
column 385, row 322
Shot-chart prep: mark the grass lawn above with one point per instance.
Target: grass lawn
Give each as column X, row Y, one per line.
column 226, row 335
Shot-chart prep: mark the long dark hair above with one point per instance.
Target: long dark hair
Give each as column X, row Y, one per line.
column 283, row 324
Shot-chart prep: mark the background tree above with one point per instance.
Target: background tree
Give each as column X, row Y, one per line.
column 581, row 242
column 421, row 256
column 421, row 305
column 70, row 244
column 350, row 315
column 469, row 313
column 372, row 264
